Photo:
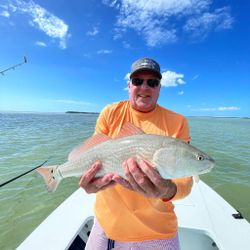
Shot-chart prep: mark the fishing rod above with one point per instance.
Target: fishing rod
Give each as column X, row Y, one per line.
column 3, row 184
column 14, row 66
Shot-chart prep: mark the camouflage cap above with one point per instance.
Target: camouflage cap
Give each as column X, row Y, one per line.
column 145, row 64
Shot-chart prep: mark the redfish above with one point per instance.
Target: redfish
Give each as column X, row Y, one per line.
column 171, row 157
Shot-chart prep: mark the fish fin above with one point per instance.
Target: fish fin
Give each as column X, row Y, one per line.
column 196, row 178
column 128, row 129
column 86, row 145
column 49, row 177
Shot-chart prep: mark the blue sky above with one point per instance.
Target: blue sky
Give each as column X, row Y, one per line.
column 80, row 53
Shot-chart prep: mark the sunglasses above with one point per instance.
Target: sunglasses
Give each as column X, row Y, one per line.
column 150, row 82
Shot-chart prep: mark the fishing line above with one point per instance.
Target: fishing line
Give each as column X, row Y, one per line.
column 17, row 177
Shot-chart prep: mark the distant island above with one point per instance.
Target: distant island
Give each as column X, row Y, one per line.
column 78, row 112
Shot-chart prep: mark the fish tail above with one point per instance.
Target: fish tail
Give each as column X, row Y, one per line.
column 50, row 177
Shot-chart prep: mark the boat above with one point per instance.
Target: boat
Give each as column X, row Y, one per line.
column 206, row 222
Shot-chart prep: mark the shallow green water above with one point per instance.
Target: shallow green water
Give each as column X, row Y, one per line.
column 26, row 140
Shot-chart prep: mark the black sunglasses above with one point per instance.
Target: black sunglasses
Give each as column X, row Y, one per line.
column 150, row 82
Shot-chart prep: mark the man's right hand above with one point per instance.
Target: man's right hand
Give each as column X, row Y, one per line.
column 92, row 184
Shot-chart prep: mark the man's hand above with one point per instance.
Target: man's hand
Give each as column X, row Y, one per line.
column 143, row 178
column 91, row 184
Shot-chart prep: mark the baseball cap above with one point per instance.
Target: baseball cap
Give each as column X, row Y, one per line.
column 145, row 64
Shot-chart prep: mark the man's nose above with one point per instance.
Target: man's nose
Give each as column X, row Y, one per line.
column 145, row 85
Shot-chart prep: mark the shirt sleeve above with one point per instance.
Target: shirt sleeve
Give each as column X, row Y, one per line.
column 183, row 133
column 184, row 186
column 102, row 126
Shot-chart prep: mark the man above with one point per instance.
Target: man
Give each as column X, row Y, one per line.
column 137, row 212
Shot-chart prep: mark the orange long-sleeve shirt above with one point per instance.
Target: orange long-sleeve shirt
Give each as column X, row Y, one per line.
column 126, row 215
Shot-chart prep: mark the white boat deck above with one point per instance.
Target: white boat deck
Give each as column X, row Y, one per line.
column 62, row 226
column 205, row 222
column 206, row 213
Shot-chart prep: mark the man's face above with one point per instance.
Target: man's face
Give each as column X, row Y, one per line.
column 143, row 98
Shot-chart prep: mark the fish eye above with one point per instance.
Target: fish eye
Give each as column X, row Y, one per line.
column 200, row 157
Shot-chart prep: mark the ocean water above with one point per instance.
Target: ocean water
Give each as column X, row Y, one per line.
column 27, row 139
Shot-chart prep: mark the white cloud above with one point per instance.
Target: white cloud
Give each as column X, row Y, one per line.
column 199, row 26
column 127, row 77
column 180, row 81
column 171, row 79
column 93, row 32
column 204, row 109
column 104, row 51
column 4, row 13
column 181, row 92
column 161, row 21
column 111, row 3
column 41, row 44
column 195, row 77
column 228, row 108
column 98, row 52
column 126, row 45
column 42, row 19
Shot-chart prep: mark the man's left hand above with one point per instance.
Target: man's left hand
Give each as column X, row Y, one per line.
column 143, row 178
